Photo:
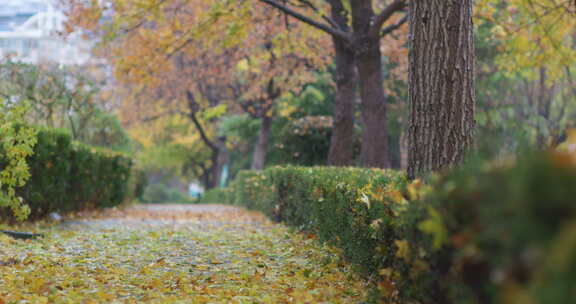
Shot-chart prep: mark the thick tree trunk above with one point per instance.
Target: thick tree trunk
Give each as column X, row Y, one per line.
column 374, row 151
column 342, row 140
column 261, row 148
column 441, row 84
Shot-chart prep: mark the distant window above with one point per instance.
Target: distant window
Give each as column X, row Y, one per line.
column 30, row 44
column 13, row 44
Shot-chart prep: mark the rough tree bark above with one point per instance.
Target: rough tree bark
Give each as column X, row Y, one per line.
column 441, row 84
column 342, row 139
column 404, row 150
column 259, row 156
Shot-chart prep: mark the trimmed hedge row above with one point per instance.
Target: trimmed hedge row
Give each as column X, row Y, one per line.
column 355, row 209
column 485, row 234
column 69, row 176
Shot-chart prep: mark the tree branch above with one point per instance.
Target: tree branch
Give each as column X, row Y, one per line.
column 309, row 4
column 389, row 29
column 319, row 25
column 386, row 13
column 200, row 129
column 306, row 3
column 158, row 116
column 192, row 115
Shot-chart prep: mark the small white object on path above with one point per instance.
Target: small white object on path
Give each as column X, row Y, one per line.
column 55, row 216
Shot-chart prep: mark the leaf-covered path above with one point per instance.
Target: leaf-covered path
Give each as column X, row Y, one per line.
column 173, row 254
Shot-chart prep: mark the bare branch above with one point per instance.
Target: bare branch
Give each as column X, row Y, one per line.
column 192, row 115
column 330, row 21
column 386, row 13
column 319, row 25
column 158, row 116
column 389, row 29
column 308, row 4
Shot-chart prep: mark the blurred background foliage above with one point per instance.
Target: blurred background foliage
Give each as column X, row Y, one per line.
column 525, row 91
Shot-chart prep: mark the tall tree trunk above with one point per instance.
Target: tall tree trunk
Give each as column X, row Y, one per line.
column 441, row 84
column 374, row 150
column 365, row 41
column 261, row 148
column 223, row 160
column 342, row 140
column 220, row 157
column 214, row 171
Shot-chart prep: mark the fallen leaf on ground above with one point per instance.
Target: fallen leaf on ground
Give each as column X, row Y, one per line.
column 174, row 254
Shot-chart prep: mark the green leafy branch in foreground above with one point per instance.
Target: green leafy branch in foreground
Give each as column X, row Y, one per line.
column 16, row 143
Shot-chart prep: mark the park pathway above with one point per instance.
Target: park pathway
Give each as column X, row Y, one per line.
column 172, row 254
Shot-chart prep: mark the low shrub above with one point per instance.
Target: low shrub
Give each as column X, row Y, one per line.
column 485, row 233
column 216, row 196
column 160, row 193
column 69, row 176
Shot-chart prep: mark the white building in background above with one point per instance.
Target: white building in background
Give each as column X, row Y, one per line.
column 31, row 32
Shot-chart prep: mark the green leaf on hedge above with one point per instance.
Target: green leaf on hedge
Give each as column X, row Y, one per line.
column 434, row 226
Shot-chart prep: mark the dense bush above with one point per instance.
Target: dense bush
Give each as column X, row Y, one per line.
column 487, row 233
column 16, row 144
column 304, row 141
column 499, row 233
column 69, row 176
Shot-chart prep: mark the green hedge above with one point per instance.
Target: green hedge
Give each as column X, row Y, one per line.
column 69, row 176
column 499, row 233
column 215, row 196
column 348, row 207
column 481, row 234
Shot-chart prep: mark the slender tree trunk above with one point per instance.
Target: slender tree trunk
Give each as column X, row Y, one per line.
column 261, row 148
column 441, row 84
column 213, row 176
column 223, row 159
column 374, row 151
column 342, row 140
column 220, row 158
